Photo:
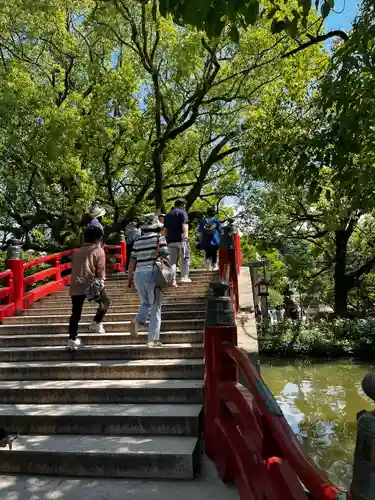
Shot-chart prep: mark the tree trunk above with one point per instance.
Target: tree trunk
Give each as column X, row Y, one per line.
column 157, row 160
column 342, row 285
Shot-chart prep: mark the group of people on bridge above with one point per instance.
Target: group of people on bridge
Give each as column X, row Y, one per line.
column 156, row 235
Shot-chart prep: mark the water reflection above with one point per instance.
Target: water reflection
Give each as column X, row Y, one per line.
column 320, row 401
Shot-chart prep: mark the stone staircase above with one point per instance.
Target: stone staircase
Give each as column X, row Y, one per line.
column 114, row 408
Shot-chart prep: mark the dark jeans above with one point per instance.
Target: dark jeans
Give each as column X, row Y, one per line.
column 77, row 305
column 129, row 248
column 211, row 254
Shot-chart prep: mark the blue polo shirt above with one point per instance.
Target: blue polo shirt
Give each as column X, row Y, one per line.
column 174, row 222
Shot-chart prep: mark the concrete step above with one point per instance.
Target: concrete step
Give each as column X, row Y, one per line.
column 110, row 317
column 101, row 391
column 109, row 419
column 119, row 326
column 101, row 352
column 103, row 456
column 55, row 301
column 114, row 369
column 113, row 338
column 37, row 310
column 181, row 289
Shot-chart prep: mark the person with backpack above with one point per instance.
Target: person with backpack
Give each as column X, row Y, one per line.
column 176, row 230
column 210, row 234
column 87, row 282
column 147, row 249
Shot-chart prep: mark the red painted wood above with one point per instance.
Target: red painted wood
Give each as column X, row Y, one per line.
column 41, row 275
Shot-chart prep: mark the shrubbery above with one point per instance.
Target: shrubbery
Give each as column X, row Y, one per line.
column 337, row 337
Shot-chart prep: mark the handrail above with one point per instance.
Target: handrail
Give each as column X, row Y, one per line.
column 7, row 306
column 315, row 481
column 246, row 433
column 15, row 294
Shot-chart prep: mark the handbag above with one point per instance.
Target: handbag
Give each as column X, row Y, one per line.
column 163, row 272
column 92, row 291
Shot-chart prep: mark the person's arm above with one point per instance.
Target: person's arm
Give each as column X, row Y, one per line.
column 100, row 267
column 131, row 269
column 185, row 226
column 163, row 247
column 132, row 265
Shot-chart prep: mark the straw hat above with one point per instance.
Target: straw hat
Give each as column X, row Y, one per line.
column 95, row 212
column 151, row 221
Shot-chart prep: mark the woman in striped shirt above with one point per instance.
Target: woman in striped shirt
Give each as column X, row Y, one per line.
column 145, row 251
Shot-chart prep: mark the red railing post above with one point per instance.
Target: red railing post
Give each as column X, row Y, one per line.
column 58, row 268
column 220, row 327
column 123, row 255
column 16, row 266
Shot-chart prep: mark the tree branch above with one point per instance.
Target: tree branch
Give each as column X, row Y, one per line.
column 317, row 39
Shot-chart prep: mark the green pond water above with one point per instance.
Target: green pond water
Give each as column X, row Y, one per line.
column 320, row 401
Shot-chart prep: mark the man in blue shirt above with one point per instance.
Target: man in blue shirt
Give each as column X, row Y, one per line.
column 210, row 231
column 176, row 231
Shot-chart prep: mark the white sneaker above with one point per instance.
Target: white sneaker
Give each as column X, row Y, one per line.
column 174, row 283
column 96, row 327
column 185, row 280
column 154, row 344
column 133, row 329
column 208, row 266
column 215, row 267
column 73, row 345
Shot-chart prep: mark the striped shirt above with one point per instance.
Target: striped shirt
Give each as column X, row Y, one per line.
column 145, row 250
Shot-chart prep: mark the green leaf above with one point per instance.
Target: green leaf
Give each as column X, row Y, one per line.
column 251, row 12
column 272, row 12
column 325, row 9
column 278, row 26
column 306, row 6
column 292, row 28
column 234, row 34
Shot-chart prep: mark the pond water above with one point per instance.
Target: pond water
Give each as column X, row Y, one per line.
column 320, row 400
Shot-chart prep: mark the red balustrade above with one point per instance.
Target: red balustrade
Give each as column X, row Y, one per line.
column 7, row 305
column 20, row 285
column 246, row 433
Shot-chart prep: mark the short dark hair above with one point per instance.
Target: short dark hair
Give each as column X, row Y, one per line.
column 180, row 202
column 93, row 234
column 210, row 212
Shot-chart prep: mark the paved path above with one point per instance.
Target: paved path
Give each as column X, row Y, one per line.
column 246, row 324
column 207, row 487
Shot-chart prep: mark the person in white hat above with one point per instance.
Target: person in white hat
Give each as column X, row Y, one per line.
column 96, row 214
column 145, row 251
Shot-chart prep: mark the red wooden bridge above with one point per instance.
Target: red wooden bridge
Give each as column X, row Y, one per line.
column 246, row 434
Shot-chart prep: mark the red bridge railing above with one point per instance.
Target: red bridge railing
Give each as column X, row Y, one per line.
column 23, row 283
column 246, row 433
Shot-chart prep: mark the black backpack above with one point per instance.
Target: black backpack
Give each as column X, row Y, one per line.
column 209, row 228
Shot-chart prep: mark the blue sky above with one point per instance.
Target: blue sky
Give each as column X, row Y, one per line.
column 342, row 20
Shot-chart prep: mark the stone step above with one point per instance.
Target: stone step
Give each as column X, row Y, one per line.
column 90, row 309
column 181, row 289
column 113, row 338
column 110, row 317
column 101, row 352
column 108, row 419
column 123, row 284
column 114, row 369
column 120, row 326
column 55, row 301
column 103, row 456
column 101, row 391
